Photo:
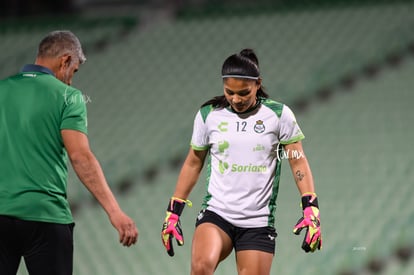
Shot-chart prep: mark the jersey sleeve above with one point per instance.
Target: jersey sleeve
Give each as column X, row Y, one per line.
column 199, row 139
column 290, row 131
column 74, row 115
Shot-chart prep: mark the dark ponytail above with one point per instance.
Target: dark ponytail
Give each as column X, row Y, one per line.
column 244, row 65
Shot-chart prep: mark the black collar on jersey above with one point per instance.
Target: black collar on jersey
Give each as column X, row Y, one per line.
column 258, row 102
column 36, row 68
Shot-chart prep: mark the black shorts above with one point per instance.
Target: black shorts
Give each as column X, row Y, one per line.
column 256, row 238
column 47, row 248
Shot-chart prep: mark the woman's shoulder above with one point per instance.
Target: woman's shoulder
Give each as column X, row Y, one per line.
column 208, row 109
column 275, row 106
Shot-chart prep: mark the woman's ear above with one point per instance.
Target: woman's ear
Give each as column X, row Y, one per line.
column 259, row 82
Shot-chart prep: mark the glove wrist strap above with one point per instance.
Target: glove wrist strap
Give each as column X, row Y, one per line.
column 177, row 205
column 309, row 199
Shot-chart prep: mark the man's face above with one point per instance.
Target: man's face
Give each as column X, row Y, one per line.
column 68, row 67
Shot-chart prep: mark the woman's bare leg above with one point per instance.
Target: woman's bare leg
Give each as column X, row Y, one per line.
column 253, row 262
column 210, row 246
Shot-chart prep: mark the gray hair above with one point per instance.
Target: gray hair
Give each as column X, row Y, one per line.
column 58, row 43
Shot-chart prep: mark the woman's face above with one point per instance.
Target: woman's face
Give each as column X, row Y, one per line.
column 241, row 93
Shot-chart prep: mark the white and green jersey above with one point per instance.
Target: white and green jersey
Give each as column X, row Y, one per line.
column 244, row 161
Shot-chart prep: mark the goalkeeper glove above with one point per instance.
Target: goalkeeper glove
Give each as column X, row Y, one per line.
column 311, row 222
column 171, row 227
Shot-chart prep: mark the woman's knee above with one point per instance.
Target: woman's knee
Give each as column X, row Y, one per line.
column 203, row 265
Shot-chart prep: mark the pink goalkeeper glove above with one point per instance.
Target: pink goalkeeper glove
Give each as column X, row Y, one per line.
column 311, row 222
column 171, row 227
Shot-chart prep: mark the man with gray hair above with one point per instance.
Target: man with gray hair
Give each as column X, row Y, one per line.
column 40, row 129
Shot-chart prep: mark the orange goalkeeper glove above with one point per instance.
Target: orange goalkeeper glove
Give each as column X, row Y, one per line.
column 171, row 227
column 310, row 221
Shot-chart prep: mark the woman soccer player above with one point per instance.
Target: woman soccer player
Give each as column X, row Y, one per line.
column 244, row 135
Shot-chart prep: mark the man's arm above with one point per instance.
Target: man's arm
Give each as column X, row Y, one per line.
column 91, row 175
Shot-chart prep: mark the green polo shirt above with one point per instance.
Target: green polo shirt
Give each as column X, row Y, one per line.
column 34, row 108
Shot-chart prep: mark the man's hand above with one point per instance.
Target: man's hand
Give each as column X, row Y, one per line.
column 128, row 232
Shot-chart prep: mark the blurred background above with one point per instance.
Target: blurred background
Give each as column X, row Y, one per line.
column 345, row 67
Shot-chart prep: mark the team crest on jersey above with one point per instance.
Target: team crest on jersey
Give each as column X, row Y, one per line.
column 259, row 127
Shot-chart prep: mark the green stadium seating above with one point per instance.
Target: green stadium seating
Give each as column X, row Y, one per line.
column 361, row 176
column 145, row 91
column 158, row 78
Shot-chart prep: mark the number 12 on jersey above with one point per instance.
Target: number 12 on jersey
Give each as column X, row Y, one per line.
column 241, row 126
